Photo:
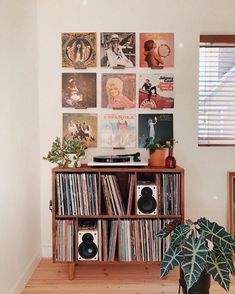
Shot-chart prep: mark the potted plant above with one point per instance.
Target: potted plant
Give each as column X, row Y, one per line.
column 66, row 153
column 201, row 249
column 157, row 151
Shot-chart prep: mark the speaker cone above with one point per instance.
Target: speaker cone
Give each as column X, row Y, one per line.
column 147, row 204
column 146, row 191
column 87, row 250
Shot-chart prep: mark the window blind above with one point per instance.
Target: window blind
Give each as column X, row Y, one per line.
column 216, row 111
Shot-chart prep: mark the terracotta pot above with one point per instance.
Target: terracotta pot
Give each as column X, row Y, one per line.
column 157, row 158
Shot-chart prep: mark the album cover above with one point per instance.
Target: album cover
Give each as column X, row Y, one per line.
column 79, row 50
column 117, row 49
column 118, row 130
column 118, row 91
column 157, row 50
column 155, row 125
column 156, row 91
column 81, row 126
column 79, row 90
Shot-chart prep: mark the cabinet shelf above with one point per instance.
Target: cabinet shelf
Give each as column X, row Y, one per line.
column 119, row 210
column 116, row 216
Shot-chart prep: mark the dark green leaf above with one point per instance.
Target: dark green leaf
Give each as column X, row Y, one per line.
column 179, row 235
column 217, row 267
column 227, row 254
column 216, row 234
column 195, row 253
column 164, row 232
column 172, row 258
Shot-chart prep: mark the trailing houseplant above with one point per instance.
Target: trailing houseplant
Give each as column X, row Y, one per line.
column 67, row 152
column 196, row 247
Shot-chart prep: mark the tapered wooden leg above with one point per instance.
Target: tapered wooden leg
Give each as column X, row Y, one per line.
column 71, row 271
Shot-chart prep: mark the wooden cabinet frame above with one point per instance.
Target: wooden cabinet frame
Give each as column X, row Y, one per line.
column 146, row 172
column 231, row 203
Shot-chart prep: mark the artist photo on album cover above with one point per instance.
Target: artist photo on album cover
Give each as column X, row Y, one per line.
column 117, row 49
column 118, row 131
column 156, row 91
column 81, row 126
column 155, row 125
column 79, row 90
column 79, row 50
column 118, row 90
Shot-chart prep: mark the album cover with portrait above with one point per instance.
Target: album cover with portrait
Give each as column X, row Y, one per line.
column 155, row 125
column 117, row 49
column 156, row 91
column 81, row 126
column 79, row 90
column 79, row 50
column 118, row 91
column 157, row 50
column 118, row 131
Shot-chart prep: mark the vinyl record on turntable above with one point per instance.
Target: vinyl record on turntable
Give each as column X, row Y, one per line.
column 111, row 158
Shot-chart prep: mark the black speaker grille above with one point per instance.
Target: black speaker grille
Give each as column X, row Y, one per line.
column 147, row 204
column 87, row 250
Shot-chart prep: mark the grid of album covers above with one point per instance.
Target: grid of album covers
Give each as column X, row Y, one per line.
column 127, row 87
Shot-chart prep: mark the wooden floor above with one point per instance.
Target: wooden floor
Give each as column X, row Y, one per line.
column 105, row 279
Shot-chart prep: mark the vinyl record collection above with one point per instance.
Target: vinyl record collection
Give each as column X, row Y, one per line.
column 168, row 193
column 112, row 195
column 124, row 240
column 138, row 241
column 77, row 194
column 65, row 240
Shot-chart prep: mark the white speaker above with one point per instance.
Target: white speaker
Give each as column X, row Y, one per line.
column 87, row 243
column 146, row 200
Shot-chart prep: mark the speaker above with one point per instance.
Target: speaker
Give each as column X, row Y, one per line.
column 87, row 242
column 146, row 200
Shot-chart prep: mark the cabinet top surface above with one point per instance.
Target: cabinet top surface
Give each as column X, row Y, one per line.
column 85, row 168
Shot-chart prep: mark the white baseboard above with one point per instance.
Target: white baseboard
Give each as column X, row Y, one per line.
column 26, row 274
column 46, row 251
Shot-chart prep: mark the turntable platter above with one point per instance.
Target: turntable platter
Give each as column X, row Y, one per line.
column 111, row 158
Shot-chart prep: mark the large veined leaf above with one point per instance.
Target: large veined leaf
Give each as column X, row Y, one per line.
column 168, row 228
column 195, row 252
column 227, row 254
column 217, row 267
column 179, row 235
column 172, row 258
column 216, row 234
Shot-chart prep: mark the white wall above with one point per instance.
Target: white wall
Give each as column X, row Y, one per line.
column 205, row 168
column 20, row 244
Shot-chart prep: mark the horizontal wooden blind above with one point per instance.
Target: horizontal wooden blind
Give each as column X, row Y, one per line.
column 216, row 117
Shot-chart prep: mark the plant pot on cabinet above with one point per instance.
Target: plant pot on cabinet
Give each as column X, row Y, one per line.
column 202, row 285
column 74, row 162
column 157, row 158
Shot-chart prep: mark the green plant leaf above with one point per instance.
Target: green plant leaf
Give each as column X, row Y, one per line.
column 216, row 234
column 195, row 253
column 217, row 267
column 172, row 258
column 168, row 228
column 179, row 235
column 227, row 254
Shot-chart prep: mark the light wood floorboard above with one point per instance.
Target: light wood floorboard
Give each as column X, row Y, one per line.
column 105, row 279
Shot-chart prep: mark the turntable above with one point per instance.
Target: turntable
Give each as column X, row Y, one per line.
column 118, row 160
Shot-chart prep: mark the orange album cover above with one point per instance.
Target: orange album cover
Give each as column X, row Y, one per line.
column 157, row 50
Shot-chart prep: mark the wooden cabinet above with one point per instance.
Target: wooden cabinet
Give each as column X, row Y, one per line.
column 231, row 203
column 109, row 214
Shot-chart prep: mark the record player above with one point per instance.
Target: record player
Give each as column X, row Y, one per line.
column 118, row 160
